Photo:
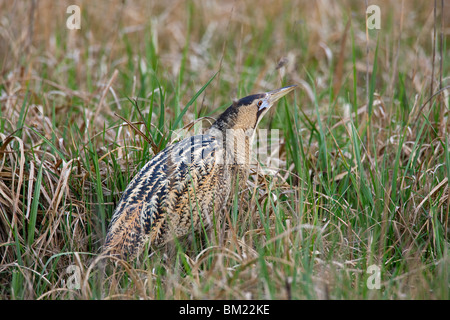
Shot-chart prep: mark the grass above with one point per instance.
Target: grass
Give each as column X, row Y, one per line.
column 364, row 161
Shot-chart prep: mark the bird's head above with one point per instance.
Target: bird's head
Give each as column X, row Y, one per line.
column 246, row 113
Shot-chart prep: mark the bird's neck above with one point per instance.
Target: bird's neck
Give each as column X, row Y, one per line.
column 236, row 143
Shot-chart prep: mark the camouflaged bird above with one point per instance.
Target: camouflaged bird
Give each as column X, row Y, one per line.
column 187, row 184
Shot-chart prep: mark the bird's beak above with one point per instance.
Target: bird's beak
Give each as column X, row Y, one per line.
column 275, row 95
column 272, row 97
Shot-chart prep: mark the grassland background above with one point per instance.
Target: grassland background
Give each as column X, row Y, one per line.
column 364, row 160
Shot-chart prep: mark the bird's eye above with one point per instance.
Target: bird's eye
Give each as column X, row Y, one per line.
column 259, row 103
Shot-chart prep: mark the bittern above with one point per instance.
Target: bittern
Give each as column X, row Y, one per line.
column 185, row 186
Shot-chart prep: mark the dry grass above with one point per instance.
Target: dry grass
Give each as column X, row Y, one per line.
column 365, row 158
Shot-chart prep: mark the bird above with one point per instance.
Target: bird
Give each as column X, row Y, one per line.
column 185, row 186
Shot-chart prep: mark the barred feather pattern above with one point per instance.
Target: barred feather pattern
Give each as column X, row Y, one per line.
column 181, row 188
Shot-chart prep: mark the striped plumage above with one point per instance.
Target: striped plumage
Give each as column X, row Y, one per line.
column 164, row 185
column 187, row 184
